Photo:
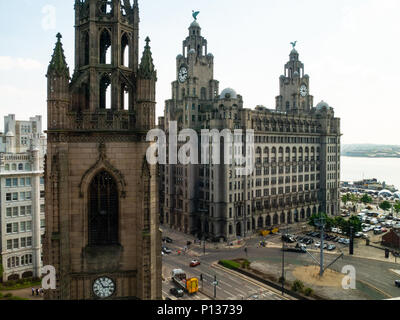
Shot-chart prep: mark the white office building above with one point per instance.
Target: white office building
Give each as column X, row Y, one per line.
column 22, row 221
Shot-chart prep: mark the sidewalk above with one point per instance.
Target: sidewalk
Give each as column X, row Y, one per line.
column 24, row 293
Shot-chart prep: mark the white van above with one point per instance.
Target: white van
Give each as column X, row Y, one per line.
column 374, row 221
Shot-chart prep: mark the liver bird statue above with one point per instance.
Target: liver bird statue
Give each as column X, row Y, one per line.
column 195, row 14
column 293, row 44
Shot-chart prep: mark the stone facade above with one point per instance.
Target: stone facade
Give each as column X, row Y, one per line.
column 22, row 220
column 101, row 204
column 297, row 152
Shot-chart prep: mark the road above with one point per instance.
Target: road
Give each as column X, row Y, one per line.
column 231, row 286
column 373, row 272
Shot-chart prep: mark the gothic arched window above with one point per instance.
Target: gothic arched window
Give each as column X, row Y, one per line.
column 86, row 53
column 125, row 51
column 105, row 47
column 105, row 92
column 103, row 210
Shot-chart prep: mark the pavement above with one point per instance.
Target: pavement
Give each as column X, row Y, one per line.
column 24, row 293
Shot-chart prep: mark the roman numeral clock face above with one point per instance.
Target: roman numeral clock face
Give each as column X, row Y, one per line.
column 303, row 90
column 183, row 74
column 103, row 287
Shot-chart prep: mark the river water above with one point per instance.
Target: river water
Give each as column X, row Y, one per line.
column 384, row 169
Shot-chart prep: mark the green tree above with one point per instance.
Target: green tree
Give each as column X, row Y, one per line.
column 366, row 199
column 352, row 222
column 315, row 218
column 339, row 222
column 396, row 207
column 346, row 198
column 385, row 205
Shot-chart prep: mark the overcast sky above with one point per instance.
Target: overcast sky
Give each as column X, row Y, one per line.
column 350, row 49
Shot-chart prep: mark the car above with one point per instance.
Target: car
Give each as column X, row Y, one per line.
column 167, row 239
column 384, row 230
column 325, row 245
column 317, row 244
column 288, row 238
column 176, row 292
column 194, row 263
column 166, row 250
column 334, row 230
column 331, row 247
column 365, row 236
column 358, row 234
column 346, row 241
column 397, row 283
column 336, row 239
column 342, row 240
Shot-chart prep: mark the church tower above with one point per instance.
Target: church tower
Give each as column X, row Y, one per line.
column 102, row 230
column 294, row 87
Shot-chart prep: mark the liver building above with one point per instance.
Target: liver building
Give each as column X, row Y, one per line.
column 102, row 222
column 297, row 153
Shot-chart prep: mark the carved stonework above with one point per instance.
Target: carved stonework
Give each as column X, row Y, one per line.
column 103, row 163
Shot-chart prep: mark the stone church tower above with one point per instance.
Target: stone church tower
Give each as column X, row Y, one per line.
column 102, row 224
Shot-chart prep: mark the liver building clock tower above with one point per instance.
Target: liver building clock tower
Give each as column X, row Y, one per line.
column 294, row 87
column 193, row 92
column 102, row 225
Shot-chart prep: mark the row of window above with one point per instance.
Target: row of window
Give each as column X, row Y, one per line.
column 22, row 196
column 14, row 212
column 15, row 182
column 23, row 226
column 19, row 196
column 20, row 167
column 16, row 243
column 15, row 262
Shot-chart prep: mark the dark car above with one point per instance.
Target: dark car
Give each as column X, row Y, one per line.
column 397, row 283
column 176, row 292
column 167, row 239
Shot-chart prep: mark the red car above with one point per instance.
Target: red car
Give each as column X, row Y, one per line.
column 194, row 263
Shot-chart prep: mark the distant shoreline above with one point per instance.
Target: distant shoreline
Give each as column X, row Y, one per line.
column 371, row 156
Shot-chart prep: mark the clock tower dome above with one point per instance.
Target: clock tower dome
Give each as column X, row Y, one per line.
column 294, row 87
column 195, row 84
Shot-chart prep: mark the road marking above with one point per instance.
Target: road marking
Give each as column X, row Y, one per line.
column 226, row 284
column 240, row 291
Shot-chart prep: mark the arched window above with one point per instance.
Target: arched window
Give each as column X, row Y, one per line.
column 124, row 97
column 105, row 47
column 103, row 210
column 125, row 51
column 14, row 167
column 20, row 167
column 86, row 52
column 105, row 92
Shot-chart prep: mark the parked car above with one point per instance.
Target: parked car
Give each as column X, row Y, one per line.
column 358, row 234
column 317, row 244
column 167, row 239
column 166, row 250
column 288, row 238
column 331, row 247
column 334, row 230
column 325, row 245
column 176, row 292
column 194, row 263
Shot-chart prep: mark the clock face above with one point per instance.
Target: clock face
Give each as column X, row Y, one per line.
column 103, row 287
column 183, row 74
column 303, row 90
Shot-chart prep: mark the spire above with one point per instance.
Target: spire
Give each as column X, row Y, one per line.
column 146, row 68
column 58, row 64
